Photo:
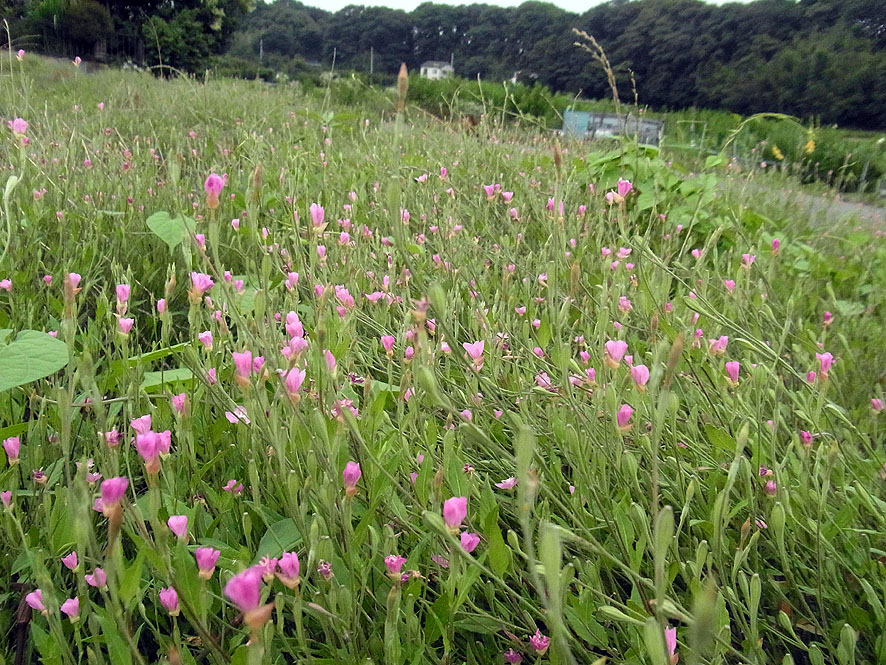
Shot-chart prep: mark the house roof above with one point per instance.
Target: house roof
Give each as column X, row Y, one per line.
column 436, row 63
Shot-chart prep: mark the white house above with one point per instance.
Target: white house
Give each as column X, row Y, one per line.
column 436, row 69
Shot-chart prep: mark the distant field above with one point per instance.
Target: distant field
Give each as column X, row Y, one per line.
column 296, row 379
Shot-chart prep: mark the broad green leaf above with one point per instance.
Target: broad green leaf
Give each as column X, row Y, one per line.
column 13, row 430
column 187, row 580
column 30, row 356
column 171, row 230
column 719, row 438
column 500, row 555
column 117, row 650
column 131, row 579
column 157, row 354
column 280, row 537
column 155, row 380
column 46, row 645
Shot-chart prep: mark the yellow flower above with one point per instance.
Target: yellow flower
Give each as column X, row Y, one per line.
column 810, row 146
column 777, row 152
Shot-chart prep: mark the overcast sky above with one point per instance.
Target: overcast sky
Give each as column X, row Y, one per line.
column 576, row 6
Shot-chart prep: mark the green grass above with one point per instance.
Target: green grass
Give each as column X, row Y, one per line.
column 611, row 534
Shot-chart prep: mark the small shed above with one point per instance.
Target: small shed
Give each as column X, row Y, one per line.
column 436, row 69
column 593, row 125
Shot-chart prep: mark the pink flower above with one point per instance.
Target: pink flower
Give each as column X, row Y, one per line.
column 454, row 511
column 72, row 280
column 112, row 491
column 624, row 305
column 623, row 417
column 98, row 579
column 71, row 608
column 805, row 437
column 238, row 415
column 507, row 483
column 827, row 319
column 244, row 589
column 293, row 381
column 776, row 243
column 5, row 285
column 70, row 561
column 125, row 325
column 178, row 524
column 394, row 563
column 201, row 282
column 469, row 541
column 770, row 488
column 123, row 291
column 747, row 260
column 640, row 374
column 330, row 360
column 12, row 445
column 732, row 369
column 877, row 404
column 539, row 642
column 6, row 498
column 615, row 351
column 825, row 361
column 729, row 284
column 317, row 214
column 467, row 415
column 490, row 191
column 289, row 569
column 242, row 366
column 387, row 342
column 18, row 126
column 513, row 657
column 206, row 557
column 35, row 600
column 205, row 338
column 213, row 187
column 475, row 352
column 141, row 425
column 161, row 306
column 718, row 346
column 233, row 487
column 180, row 402
column 671, row 642
column 20, row 54
column 351, row 475
column 624, row 187
column 149, row 445
column 169, row 601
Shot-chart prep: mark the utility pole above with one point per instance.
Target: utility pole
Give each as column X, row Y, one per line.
column 371, row 59
column 261, row 49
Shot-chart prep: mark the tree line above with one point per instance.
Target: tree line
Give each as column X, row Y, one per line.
column 822, row 59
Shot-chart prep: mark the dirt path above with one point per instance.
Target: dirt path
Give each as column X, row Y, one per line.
column 822, row 210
